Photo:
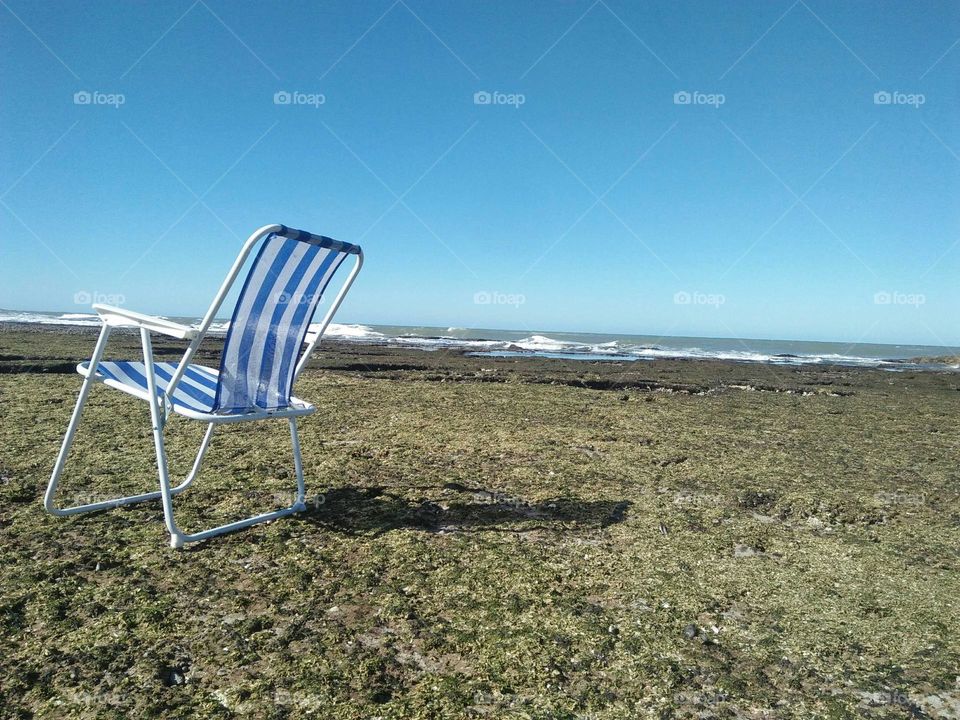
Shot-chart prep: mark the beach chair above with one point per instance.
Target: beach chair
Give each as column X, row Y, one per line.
column 260, row 361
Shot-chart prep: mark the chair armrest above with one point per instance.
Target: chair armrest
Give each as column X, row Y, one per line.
column 118, row 317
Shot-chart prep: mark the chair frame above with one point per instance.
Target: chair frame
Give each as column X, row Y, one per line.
column 160, row 407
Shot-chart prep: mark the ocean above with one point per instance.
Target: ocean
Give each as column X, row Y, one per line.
column 591, row 346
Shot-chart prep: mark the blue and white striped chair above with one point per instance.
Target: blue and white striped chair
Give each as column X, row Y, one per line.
column 260, row 361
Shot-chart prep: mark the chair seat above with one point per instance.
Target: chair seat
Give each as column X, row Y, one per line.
column 194, row 396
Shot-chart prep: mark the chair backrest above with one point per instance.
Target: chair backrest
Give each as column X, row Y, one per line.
column 276, row 304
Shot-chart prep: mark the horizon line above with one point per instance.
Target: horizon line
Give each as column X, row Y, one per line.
column 562, row 332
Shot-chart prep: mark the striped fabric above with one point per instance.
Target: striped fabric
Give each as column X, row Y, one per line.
column 275, row 307
column 195, row 392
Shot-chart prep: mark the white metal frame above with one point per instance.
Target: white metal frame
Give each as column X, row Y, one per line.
column 160, row 407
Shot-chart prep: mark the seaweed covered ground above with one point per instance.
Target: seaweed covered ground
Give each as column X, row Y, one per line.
column 492, row 538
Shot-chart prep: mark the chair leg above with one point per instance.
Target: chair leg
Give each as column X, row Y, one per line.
column 157, row 420
column 48, row 500
column 72, row 428
column 178, row 538
column 300, row 504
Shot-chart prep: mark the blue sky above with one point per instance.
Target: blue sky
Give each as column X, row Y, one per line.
column 785, row 199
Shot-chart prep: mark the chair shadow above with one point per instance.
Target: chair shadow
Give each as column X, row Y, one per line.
column 363, row 510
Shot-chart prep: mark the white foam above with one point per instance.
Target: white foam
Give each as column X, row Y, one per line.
column 349, row 332
column 78, row 316
column 334, row 330
column 542, row 342
column 537, row 345
column 78, row 319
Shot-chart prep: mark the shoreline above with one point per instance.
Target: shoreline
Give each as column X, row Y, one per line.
column 42, row 349
column 935, row 364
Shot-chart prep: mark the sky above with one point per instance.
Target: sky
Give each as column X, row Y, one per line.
column 767, row 169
